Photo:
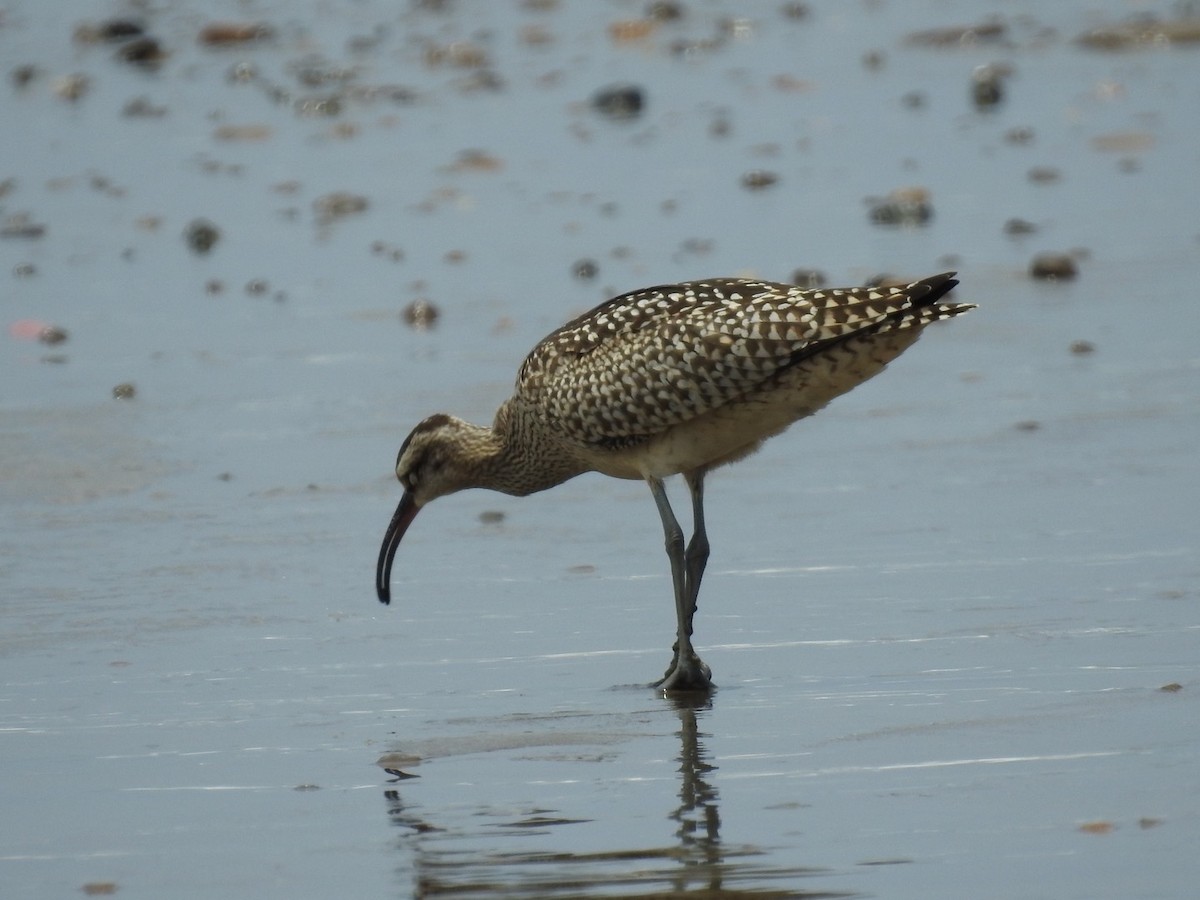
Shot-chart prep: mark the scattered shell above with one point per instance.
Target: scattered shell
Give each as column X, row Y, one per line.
column 99, row 888
column 112, row 31
column 338, row 205
column 24, row 270
column 903, row 206
column 201, row 235
column 629, row 30
column 1053, row 267
column 1123, row 142
column 256, row 287
column 124, row 391
column 142, row 108
column 1097, row 827
column 72, row 87
column 1044, row 175
column 21, row 225
column 1142, row 33
column 421, row 314
column 960, row 36
column 808, row 278
column 757, row 179
column 476, row 161
column 459, row 54
column 622, row 101
column 1017, row 227
column 243, row 133
column 225, row 34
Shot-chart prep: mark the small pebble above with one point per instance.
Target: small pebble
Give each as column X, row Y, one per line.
column 987, row 86
column 1082, row 348
column 201, row 235
column 758, row 179
column 1044, row 175
column 904, row 206
column 52, row 334
column 145, row 52
column 421, row 314
column 338, row 205
column 124, row 391
column 491, row 517
column 585, row 269
column 1018, row 227
column 1053, row 267
column 256, row 287
column 618, row 102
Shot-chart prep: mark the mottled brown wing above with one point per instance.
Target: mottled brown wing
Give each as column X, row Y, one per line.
column 655, row 358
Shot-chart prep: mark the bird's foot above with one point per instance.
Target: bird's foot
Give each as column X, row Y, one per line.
column 688, row 675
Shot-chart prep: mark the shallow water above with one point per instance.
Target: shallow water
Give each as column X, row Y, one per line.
column 953, row 618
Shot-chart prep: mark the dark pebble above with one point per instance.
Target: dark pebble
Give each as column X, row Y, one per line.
column 987, row 86
column 491, row 517
column 757, row 179
column 585, row 269
column 201, row 235
column 1053, row 267
column 1082, row 348
column 906, row 206
column 665, row 11
column 52, row 334
column 420, row 314
column 23, row 75
column 1044, row 175
column 144, row 51
column 124, row 391
column 119, row 30
column 622, row 101
column 1018, row 227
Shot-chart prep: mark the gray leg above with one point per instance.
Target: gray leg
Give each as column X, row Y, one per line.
column 696, row 557
column 687, row 672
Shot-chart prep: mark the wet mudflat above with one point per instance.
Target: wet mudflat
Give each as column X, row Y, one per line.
column 953, row 619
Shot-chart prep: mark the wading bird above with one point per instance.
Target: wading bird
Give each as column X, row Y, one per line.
column 670, row 380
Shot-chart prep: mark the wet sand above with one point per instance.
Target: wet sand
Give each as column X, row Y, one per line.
column 953, row 618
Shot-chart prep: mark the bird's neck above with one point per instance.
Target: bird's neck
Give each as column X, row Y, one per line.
column 521, row 458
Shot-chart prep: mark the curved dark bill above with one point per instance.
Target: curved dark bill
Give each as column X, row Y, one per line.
column 405, row 513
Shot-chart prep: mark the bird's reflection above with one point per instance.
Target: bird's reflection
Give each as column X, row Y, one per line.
column 445, row 857
column 698, row 815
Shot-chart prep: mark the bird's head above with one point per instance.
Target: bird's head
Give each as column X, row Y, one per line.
column 437, row 458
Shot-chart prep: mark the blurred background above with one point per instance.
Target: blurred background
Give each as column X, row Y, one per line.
column 245, row 246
